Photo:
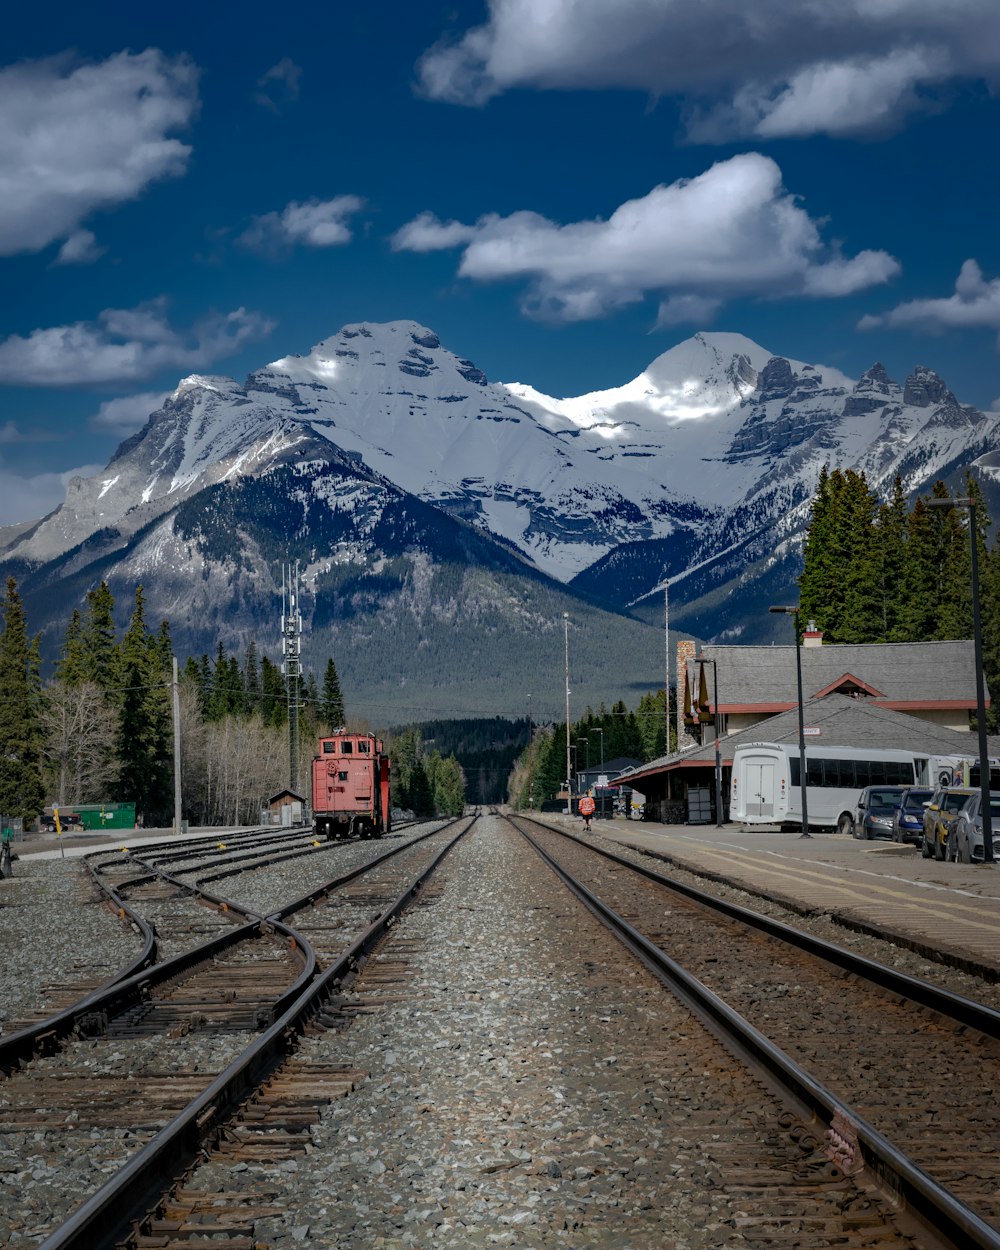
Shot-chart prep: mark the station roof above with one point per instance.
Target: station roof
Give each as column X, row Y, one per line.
column 903, row 676
column 841, row 721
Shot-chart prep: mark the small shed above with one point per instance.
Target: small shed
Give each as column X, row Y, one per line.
column 286, row 808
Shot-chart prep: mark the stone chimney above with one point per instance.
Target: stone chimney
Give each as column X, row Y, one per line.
column 686, row 654
column 811, row 636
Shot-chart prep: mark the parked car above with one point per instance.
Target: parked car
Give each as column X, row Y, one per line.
column 939, row 814
column 908, row 821
column 875, row 811
column 965, row 840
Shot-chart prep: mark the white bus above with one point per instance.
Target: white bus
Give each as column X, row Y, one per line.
column 938, row 771
column 766, row 786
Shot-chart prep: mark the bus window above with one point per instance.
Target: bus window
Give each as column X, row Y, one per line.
column 878, row 773
column 814, row 772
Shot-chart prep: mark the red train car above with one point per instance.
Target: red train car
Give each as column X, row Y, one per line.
column 350, row 787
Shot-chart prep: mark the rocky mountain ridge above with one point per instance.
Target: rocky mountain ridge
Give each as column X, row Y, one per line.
column 381, row 445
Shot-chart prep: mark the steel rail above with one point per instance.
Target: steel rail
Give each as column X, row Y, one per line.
column 945, row 1002
column 847, row 1133
column 133, row 984
column 102, row 1222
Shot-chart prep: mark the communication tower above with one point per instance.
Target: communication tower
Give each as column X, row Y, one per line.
column 291, row 663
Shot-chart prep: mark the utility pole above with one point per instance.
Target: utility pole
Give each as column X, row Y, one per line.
column 569, row 775
column 291, row 665
column 666, row 668
column 175, row 691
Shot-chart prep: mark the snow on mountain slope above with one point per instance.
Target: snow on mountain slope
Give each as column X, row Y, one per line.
column 708, row 445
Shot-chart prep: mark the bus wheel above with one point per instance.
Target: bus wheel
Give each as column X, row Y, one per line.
column 845, row 824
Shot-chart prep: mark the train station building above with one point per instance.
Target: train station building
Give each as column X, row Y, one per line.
column 911, row 696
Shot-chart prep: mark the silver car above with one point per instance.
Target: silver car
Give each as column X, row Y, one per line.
column 965, row 837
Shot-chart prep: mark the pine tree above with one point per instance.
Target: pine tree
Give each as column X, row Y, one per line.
column 332, row 703
column 274, row 696
column 22, row 793
column 144, row 729
column 73, row 668
column 421, row 797
column 890, row 545
column 100, row 640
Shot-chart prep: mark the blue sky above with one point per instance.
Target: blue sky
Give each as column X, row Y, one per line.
column 561, row 189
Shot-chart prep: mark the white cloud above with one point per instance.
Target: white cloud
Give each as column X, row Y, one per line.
column 123, row 345
column 279, row 85
column 315, row 223
column 975, row 303
column 426, row 234
column 78, row 138
column 81, row 248
column 31, row 498
column 780, row 68
column 128, row 413
column 732, row 231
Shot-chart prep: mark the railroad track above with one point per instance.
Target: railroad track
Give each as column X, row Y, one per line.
column 881, row 1043
column 124, row 1072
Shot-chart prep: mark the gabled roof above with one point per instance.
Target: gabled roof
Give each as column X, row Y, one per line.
column 912, row 675
column 842, row 721
column 848, row 684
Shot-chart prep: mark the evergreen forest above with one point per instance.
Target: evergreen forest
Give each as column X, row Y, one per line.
column 885, row 571
column 102, row 729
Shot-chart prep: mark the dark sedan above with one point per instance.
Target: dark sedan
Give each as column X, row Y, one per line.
column 908, row 821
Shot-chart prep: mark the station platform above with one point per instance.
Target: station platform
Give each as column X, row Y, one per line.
column 942, row 910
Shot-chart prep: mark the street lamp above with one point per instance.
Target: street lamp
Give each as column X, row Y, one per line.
column 601, row 732
column 794, row 613
column 977, row 634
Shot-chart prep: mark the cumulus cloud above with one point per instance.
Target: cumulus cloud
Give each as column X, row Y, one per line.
column 78, row 138
column 81, row 248
column 127, row 413
column 124, row 345
column 975, row 303
column 279, row 85
column 30, row 498
column 315, row 223
column 781, row 68
column 732, row 231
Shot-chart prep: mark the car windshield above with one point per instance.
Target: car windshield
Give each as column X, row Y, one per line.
column 883, row 800
column 953, row 800
column 916, row 799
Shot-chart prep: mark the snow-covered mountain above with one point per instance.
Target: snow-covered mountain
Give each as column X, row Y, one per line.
column 697, row 470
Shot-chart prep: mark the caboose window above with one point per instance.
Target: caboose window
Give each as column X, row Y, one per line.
column 329, row 748
column 362, row 745
column 346, row 747
column 341, row 776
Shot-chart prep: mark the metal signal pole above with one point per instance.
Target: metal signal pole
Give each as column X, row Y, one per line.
column 569, row 775
column 291, row 665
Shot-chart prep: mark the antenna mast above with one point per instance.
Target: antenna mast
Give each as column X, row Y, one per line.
column 291, row 664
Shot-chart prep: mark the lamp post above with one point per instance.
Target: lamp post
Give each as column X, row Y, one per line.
column 977, row 635
column 601, row 732
column 794, row 613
